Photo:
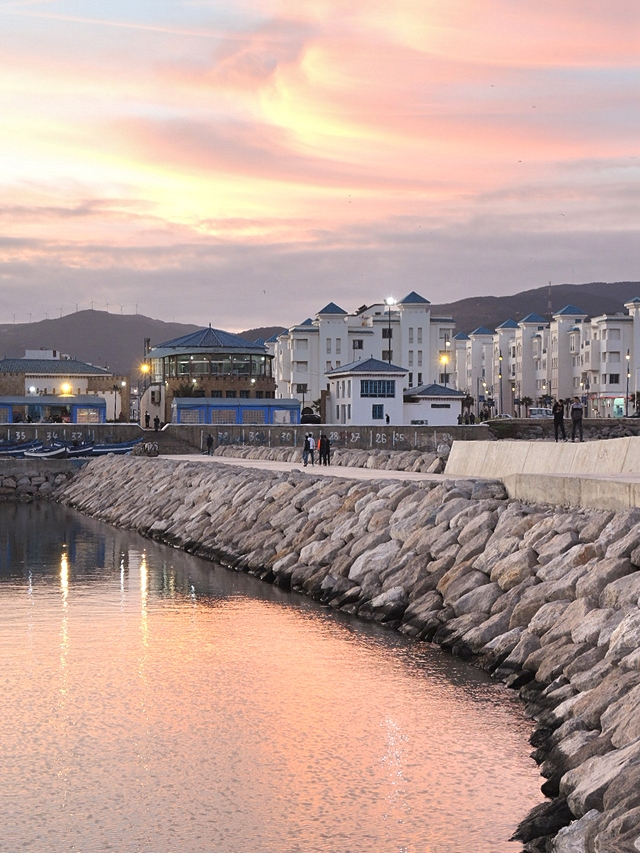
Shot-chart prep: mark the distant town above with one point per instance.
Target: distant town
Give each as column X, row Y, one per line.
column 392, row 362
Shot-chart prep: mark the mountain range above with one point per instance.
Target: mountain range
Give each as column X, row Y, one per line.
column 117, row 340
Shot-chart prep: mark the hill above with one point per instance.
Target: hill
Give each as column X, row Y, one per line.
column 594, row 298
column 115, row 341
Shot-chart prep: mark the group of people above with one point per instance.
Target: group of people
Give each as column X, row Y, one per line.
column 323, row 445
column 575, row 413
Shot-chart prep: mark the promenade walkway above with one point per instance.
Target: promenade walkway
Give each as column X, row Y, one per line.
column 531, row 471
column 318, row 470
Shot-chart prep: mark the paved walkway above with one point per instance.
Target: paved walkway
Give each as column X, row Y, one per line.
column 597, row 491
column 315, row 470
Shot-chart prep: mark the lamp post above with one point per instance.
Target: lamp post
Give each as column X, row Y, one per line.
column 389, row 301
column 626, row 398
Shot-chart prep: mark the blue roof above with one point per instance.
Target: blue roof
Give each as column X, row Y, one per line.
column 273, row 338
column 369, row 365
column 332, row 308
column 433, row 390
column 508, row 324
column 533, row 318
column 209, row 339
column 307, row 322
column 461, row 336
column 635, row 299
column 414, row 298
column 59, row 367
column 570, row 310
column 482, row 330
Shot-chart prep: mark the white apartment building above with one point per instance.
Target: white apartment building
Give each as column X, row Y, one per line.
column 596, row 359
column 401, row 333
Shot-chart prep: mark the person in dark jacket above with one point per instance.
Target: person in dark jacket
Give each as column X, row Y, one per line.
column 576, row 418
column 558, row 419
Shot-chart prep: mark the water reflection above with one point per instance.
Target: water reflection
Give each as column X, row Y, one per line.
column 202, row 710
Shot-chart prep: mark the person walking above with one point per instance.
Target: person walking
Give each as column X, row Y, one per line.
column 324, row 449
column 306, row 447
column 156, row 423
column 209, row 445
column 576, row 418
column 312, row 448
column 147, row 420
column 558, row 419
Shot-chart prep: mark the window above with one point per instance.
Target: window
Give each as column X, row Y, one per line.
column 614, row 357
column 358, row 343
column 329, row 346
column 614, row 334
column 301, row 388
column 419, row 358
column 410, row 358
column 387, row 355
column 303, row 366
column 377, row 388
column 349, row 411
column 349, row 388
column 411, row 380
column 419, row 334
column 327, row 366
column 338, row 412
column 230, row 395
column 387, row 333
column 377, row 412
column 259, row 395
column 440, row 405
column 614, row 378
column 302, row 343
column 245, row 395
column 419, row 379
column 216, row 394
column 410, row 334
column 338, row 346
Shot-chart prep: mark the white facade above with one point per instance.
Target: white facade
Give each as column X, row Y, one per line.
column 433, row 405
column 366, row 393
column 403, row 333
column 538, row 360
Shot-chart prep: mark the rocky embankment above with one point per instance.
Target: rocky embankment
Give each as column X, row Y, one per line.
column 30, row 484
column 380, row 460
column 544, row 598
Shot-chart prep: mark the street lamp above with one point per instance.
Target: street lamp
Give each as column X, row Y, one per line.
column 626, row 399
column 389, row 301
column 444, row 360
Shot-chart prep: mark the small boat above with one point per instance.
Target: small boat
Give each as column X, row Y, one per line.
column 78, row 450
column 54, row 451
column 118, row 447
column 17, row 451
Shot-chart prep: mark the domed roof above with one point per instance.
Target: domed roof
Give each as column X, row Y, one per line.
column 206, row 339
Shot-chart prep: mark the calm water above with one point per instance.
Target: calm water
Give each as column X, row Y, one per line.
column 153, row 702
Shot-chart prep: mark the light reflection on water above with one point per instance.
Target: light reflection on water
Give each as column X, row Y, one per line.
column 152, row 703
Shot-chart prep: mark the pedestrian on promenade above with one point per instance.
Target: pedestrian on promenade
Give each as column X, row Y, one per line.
column 147, row 420
column 209, row 445
column 324, row 446
column 312, row 448
column 576, row 418
column 156, row 423
column 558, row 419
column 306, row 447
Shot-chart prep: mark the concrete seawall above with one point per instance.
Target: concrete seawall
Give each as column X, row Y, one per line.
column 545, row 599
column 600, row 474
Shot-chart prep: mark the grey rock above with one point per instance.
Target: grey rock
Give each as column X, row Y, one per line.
column 473, row 547
column 479, row 600
column 626, row 637
column 373, row 561
column 621, row 592
column 621, row 720
column 599, row 574
column 625, row 545
column 498, row 547
column 478, row 637
column 572, row 617
column 558, row 544
column 595, row 525
column 547, row 617
column 573, row 838
column 586, row 786
column 514, row 569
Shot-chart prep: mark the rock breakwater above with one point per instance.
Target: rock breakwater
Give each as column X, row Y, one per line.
column 387, row 460
column 544, row 598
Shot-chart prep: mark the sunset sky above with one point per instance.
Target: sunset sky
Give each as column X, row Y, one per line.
column 243, row 163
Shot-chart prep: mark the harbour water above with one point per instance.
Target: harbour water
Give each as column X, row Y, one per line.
column 154, row 702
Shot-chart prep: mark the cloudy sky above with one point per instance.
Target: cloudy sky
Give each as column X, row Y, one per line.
column 245, row 162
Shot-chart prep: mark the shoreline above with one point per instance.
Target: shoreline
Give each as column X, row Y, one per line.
column 543, row 598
